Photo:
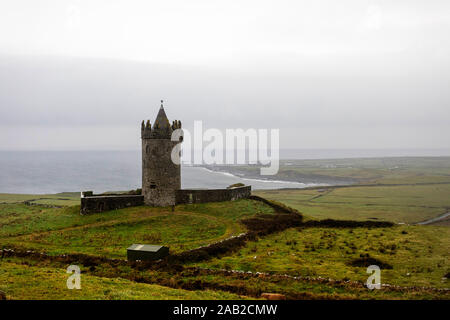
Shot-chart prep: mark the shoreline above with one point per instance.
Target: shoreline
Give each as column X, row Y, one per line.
column 243, row 177
column 312, row 181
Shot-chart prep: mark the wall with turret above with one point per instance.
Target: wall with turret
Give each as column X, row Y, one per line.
column 91, row 203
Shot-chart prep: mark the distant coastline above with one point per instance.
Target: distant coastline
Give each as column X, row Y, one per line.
column 50, row 172
column 292, row 178
column 269, row 179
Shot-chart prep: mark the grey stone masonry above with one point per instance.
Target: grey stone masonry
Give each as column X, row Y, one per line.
column 212, row 195
column 98, row 203
column 161, row 177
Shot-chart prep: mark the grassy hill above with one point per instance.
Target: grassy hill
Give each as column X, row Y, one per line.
column 417, row 255
column 47, row 239
column 23, row 280
column 64, row 230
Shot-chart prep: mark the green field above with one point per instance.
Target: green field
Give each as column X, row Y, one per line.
column 59, row 199
column 400, row 204
column 401, row 190
column 328, row 262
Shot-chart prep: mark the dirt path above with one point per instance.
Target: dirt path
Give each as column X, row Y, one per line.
column 436, row 219
column 324, row 193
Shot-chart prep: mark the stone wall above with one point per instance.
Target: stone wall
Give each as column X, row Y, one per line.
column 92, row 204
column 212, row 195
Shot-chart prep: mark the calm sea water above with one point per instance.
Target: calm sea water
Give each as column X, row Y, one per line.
column 101, row 171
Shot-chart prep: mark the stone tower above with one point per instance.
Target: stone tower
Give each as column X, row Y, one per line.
column 161, row 177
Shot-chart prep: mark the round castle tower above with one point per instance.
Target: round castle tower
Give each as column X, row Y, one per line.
column 161, row 177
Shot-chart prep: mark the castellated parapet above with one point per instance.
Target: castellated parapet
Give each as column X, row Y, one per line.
column 161, row 177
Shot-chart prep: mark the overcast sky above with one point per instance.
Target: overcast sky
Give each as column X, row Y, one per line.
column 327, row 73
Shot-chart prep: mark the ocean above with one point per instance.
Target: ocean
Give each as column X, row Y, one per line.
column 40, row 172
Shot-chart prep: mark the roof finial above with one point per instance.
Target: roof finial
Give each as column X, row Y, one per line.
column 162, row 101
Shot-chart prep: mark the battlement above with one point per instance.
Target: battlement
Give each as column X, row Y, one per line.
column 158, row 131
